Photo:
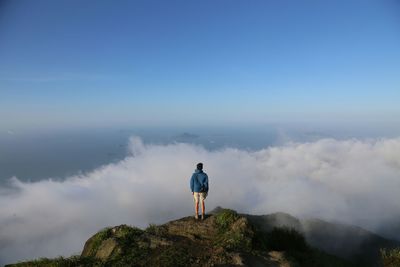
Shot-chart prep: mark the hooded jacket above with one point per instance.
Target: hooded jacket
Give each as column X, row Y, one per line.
column 198, row 179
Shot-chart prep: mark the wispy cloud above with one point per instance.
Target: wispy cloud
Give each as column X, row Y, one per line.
column 350, row 181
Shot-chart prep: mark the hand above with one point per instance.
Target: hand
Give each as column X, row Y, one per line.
column 192, row 193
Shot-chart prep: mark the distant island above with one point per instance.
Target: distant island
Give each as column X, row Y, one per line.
column 186, row 136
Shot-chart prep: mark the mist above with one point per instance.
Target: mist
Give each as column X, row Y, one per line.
column 352, row 181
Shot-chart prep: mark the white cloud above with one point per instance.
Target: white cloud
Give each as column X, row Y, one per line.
column 350, row 181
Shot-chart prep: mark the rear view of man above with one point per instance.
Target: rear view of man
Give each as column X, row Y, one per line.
column 199, row 187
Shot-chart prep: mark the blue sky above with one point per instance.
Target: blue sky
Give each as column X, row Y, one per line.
column 122, row 63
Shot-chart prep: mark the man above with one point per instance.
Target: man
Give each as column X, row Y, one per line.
column 199, row 187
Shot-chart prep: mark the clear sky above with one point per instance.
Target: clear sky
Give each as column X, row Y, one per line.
column 120, row 63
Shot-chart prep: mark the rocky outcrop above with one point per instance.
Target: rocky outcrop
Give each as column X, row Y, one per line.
column 220, row 239
column 224, row 238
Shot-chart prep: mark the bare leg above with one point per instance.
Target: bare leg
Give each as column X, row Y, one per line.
column 196, row 207
column 203, row 207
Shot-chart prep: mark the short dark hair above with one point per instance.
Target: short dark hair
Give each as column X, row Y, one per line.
column 199, row 166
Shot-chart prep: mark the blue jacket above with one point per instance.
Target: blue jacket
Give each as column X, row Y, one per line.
column 198, row 179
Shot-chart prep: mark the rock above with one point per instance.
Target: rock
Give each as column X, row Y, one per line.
column 110, row 242
column 237, row 259
column 106, row 248
column 158, row 241
column 279, row 258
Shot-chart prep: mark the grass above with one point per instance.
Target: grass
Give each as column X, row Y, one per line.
column 225, row 218
column 229, row 238
column 60, row 262
column 390, row 257
column 156, row 230
column 127, row 235
column 173, row 256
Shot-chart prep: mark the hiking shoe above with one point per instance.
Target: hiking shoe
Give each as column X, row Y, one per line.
column 196, row 216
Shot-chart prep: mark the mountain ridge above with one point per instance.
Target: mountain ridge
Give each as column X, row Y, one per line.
column 226, row 238
column 346, row 241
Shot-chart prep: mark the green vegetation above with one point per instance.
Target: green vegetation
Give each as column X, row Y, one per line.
column 288, row 240
column 295, row 247
column 125, row 235
column 285, row 239
column 187, row 242
column 225, row 218
column 390, row 257
column 172, row 256
column 234, row 231
column 127, row 250
column 156, row 230
column 97, row 239
column 116, row 246
column 60, row 262
column 280, row 239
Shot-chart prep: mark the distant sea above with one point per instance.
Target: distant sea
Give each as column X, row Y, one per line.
column 57, row 155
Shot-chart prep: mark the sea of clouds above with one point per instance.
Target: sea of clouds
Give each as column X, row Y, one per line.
column 351, row 181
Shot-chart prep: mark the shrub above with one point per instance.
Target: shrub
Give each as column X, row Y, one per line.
column 225, row 218
column 234, row 231
column 286, row 239
column 156, row 230
column 126, row 235
column 390, row 257
column 173, row 257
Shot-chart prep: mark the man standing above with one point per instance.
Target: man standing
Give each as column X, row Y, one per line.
column 199, row 187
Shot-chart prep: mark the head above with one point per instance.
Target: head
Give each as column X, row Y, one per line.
column 199, row 166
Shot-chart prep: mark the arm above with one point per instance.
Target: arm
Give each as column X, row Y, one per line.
column 192, row 183
column 206, row 183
